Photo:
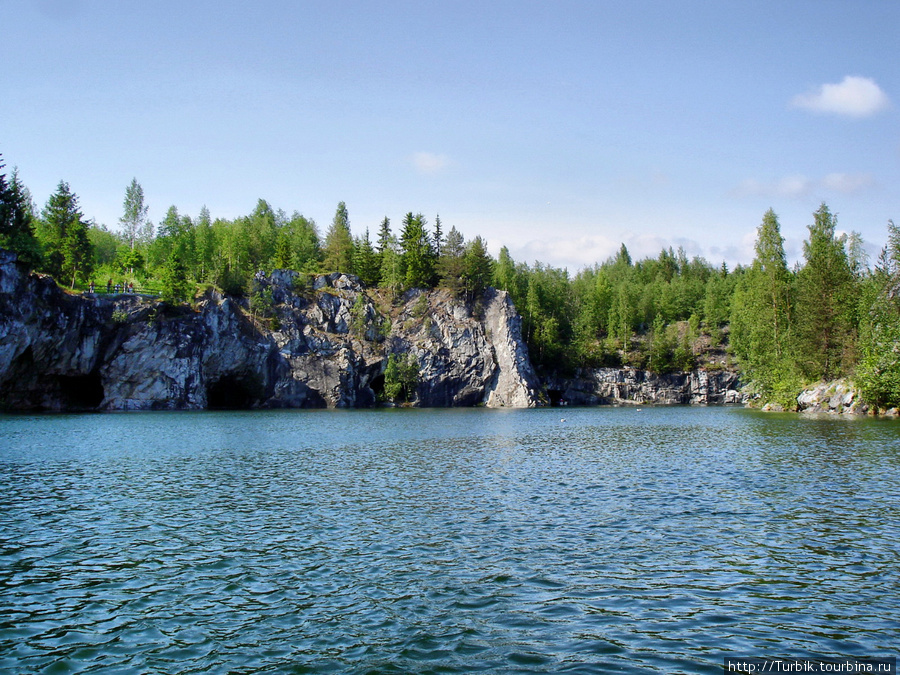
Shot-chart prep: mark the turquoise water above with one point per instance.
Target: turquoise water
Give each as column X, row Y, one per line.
column 445, row 541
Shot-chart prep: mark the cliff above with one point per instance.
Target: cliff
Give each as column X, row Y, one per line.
column 291, row 346
column 631, row 386
column 836, row 397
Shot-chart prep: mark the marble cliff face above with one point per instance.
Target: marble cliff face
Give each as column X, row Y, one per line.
column 321, row 345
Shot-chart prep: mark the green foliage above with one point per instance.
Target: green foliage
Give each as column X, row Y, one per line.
column 401, row 377
column 175, row 285
column 761, row 310
column 878, row 373
column 261, row 302
column 825, row 290
column 391, row 266
column 135, row 213
column 421, row 307
column 358, row 316
column 17, row 220
column 417, row 256
column 63, row 234
column 366, row 263
column 131, row 260
column 830, row 317
column 451, row 264
column 339, row 242
column 478, row 268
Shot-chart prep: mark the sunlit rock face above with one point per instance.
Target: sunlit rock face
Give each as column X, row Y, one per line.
column 320, row 344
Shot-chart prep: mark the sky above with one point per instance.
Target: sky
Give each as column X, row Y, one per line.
column 559, row 129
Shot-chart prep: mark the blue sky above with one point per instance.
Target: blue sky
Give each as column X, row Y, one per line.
column 559, row 129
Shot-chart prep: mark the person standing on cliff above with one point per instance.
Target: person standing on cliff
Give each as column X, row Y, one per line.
column 109, row 286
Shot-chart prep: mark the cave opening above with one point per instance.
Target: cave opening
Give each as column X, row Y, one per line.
column 81, row 392
column 232, row 392
column 377, row 387
column 556, row 397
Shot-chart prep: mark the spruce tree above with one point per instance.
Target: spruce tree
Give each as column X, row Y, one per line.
column 366, row 263
column 391, row 266
column 384, row 235
column 824, row 293
column 438, row 236
column 878, row 373
column 761, row 317
column 175, row 286
column 478, row 267
column 339, row 242
column 418, row 257
column 64, row 236
column 17, row 220
column 451, row 264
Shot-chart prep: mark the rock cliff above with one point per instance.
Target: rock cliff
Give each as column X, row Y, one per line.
column 290, row 345
column 631, row 386
column 837, row 397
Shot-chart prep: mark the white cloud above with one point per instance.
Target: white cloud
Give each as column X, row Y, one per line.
column 576, row 253
column 848, row 183
column 788, row 186
column 428, row 162
column 853, row 97
column 799, row 187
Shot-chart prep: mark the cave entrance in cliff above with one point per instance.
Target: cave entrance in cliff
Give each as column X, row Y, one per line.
column 377, row 386
column 232, row 392
column 556, row 397
column 81, row 392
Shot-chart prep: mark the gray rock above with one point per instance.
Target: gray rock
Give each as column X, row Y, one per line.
column 834, row 397
column 310, row 348
column 631, row 386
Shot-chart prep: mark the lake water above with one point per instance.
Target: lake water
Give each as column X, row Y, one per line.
column 445, row 541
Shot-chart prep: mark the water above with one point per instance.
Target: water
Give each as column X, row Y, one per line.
column 445, row 541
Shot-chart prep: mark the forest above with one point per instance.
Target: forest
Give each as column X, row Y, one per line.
column 834, row 315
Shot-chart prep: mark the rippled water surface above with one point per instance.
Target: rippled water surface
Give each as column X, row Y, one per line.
column 445, row 541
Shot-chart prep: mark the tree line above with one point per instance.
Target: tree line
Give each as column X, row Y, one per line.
column 831, row 316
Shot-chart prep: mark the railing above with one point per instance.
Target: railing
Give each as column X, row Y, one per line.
column 121, row 289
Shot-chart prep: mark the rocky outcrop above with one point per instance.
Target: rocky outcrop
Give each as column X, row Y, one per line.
column 631, row 386
column 292, row 344
column 836, row 397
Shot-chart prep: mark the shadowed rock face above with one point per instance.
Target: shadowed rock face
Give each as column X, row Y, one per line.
column 630, row 386
column 325, row 345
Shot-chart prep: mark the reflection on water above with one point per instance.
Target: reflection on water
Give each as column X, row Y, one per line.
column 444, row 540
